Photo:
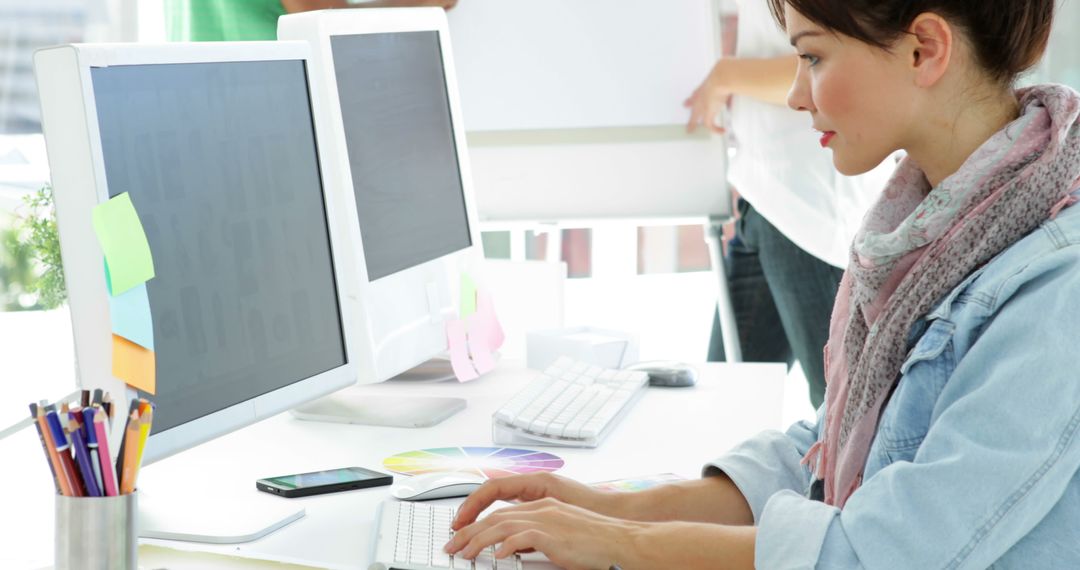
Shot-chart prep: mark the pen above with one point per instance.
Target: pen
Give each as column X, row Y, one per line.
column 67, row 466
column 82, row 456
column 130, row 453
column 108, row 472
column 84, row 398
column 90, row 435
column 50, row 453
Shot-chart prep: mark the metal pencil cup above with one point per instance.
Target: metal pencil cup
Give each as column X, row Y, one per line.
column 96, row 532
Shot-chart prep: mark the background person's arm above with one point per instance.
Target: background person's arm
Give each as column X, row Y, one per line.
column 764, row 79
column 308, row 5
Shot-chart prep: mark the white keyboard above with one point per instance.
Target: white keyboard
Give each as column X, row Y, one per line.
column 572, row 404
column 411, row 536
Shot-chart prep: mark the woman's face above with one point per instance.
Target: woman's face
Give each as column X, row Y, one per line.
column 861, row 97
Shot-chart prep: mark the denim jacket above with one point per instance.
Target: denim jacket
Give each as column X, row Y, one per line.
column 975, row 461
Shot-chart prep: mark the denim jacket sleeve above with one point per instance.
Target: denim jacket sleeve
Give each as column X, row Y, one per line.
column 768, row 463
column 1001, row 450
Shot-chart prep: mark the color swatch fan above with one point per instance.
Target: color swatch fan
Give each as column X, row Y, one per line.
column 491, row 462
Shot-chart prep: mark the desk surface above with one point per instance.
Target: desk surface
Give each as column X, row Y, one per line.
column 672, row 430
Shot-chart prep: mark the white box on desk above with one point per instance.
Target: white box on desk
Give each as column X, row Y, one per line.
column 602, row 347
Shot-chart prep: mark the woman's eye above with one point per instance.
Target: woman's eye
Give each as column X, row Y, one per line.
column 811, row 59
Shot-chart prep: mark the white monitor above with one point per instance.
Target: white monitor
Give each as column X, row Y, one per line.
column 384, row 79
column 216, row 145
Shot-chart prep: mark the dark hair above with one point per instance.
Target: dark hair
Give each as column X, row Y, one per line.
column 1008, row 36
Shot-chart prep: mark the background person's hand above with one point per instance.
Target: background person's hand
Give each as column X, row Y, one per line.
column 709, row 99
column 526, row 488
column 570, row 536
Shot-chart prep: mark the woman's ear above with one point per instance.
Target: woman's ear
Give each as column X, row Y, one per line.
column 929, row 46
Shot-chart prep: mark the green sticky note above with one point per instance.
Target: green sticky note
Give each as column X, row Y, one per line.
column 121, row 235
column 108, row 278
column 468, row 295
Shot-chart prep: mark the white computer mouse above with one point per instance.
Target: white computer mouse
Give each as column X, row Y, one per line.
column 436, row 486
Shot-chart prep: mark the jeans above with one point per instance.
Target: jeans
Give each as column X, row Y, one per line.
column 783, row 299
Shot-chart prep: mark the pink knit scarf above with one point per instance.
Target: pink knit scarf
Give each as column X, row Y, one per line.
column 916, row 245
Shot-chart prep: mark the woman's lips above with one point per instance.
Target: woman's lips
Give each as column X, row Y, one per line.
column 826, row 137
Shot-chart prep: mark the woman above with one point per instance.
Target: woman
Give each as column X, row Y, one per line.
column 948, row 437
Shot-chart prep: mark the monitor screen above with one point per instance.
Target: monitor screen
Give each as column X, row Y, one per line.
column 220, row 160
column 400, row 140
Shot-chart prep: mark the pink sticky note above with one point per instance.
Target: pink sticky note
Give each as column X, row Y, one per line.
column 479, row 344
column 459, row 356
column 488, row 320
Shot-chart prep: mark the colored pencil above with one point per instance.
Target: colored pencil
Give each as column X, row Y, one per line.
column 133, row 408
column 130, row 454
column 145, row 419
column 63, row 447
column 90, row 435
column 38, row 416
column 82, row 458
column 108, row 472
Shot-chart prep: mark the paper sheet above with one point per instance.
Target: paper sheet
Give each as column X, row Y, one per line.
column 134, row 364
column 131, row 319
column 459, row 356
column 123, row 240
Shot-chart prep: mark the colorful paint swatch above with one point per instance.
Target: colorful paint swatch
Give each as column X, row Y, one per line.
column 490, row 462
column 127, row 253
column 131, row 319
column 638, row 483
column 135, row 365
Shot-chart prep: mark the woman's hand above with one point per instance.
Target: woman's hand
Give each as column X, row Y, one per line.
column 532, row 487
column 570, row 536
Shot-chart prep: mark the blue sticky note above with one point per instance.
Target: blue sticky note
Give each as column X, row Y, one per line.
column 130, row 314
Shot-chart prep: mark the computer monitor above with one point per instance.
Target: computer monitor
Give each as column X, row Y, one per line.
column 216, row 146
column 384, row 78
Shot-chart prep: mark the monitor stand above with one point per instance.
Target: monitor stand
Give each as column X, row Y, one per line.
column 171, row 516
column 356, row 407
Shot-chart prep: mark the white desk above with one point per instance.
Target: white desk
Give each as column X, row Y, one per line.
column 669, row 430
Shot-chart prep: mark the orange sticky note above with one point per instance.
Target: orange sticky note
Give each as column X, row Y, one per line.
column 134, row 364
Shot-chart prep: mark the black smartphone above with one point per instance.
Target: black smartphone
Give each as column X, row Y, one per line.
column 318, row 482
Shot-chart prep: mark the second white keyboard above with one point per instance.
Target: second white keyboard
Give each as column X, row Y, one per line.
column 571, row 404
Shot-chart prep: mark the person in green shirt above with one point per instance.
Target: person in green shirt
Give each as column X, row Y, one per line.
column 239, row 20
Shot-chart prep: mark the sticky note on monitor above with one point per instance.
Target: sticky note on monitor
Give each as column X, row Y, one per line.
column 131, row 319
column 459, row 351
column 135, row 365
column 127, row 253
column 468, row 295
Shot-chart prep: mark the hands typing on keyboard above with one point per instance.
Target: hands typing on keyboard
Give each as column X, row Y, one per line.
column 570, row 403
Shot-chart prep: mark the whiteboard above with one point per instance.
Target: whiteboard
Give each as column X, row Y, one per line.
column 574, row 108
column 559, row 64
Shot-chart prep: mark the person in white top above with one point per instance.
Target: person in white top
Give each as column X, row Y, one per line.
column 797, row 215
